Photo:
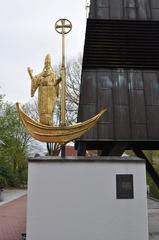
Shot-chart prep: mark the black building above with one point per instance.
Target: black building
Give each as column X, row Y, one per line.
column 120, row 72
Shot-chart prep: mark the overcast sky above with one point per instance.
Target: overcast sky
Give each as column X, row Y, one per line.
column 27, row 34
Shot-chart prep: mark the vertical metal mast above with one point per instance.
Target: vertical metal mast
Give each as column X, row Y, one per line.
column 63, row 26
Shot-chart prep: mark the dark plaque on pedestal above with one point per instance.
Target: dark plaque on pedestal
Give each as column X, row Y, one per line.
column 124, row 186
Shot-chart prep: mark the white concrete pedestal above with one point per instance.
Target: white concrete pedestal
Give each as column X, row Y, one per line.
column 76, row 199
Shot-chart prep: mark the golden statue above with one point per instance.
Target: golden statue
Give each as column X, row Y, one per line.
column 48, row 87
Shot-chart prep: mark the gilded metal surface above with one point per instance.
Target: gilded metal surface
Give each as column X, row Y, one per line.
column 47, row 86
column 63, row 26
column 63, row 134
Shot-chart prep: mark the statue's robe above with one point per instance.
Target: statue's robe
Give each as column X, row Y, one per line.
column 47, row 93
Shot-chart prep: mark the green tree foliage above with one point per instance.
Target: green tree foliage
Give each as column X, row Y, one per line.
column 13, row 147
column 154, row 191
column 153, row 157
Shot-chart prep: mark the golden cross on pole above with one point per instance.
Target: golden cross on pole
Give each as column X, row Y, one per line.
column 63, row 26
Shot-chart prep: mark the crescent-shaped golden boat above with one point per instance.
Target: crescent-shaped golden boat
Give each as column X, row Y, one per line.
column 64, row 134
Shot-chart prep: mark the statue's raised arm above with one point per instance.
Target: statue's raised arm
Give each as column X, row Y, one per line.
column 34, row 84
column 30, row 71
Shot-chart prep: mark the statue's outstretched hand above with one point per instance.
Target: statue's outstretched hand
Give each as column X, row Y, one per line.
column 30, row 71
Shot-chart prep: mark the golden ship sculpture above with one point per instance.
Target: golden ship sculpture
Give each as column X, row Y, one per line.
column 48, row 86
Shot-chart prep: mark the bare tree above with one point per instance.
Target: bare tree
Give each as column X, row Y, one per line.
column 73, row 77
column 31, row 109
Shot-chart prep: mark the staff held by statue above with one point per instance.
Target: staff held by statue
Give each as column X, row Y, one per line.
column 63, row 26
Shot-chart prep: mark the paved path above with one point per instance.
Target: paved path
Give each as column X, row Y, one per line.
column 11, row 194
column 13, row 219
column 153, row 215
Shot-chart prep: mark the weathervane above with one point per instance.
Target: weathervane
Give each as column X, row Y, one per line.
column 47, row 85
